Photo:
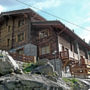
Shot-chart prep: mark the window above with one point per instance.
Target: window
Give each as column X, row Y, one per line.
column 75, row 48
column 6, row 22
column 71, row 45
column 45, row 50
column 9, row 28
column 15, row 39
column 43, row 34
column 21, row 22
column 20, row 51
column 20, row 37
column 8, row 42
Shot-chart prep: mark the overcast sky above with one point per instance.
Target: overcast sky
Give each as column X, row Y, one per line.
column 75, row 11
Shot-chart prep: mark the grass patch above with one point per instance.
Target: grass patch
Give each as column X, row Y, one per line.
column 1, row 56
column 73, row 82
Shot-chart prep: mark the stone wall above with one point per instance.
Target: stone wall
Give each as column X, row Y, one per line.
column 57, row 63
column 30, row 50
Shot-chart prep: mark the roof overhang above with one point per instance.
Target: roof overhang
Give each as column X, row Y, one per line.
column 20, row 12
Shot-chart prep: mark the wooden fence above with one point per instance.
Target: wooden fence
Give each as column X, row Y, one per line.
column 23, row 58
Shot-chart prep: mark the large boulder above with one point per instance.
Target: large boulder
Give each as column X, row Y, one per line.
column 46, row 68
column 7, row 64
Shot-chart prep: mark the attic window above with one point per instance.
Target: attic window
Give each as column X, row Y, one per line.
column 20, row 22
column 43, row 34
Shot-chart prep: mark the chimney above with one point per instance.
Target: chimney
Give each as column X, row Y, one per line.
column 73, row 30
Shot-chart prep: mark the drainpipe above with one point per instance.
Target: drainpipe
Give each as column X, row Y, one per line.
column 12, row 33
column 29, row 29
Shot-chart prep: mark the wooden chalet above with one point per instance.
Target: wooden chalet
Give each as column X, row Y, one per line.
column 25, row 26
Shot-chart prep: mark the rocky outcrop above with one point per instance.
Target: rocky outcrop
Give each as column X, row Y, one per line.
column 28, row 82
column 12, row 79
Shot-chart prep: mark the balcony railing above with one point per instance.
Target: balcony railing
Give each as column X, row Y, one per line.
column 68, row 55
column 23, row 58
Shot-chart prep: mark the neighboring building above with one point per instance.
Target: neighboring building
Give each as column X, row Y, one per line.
column 52, row 38
column 15, row 28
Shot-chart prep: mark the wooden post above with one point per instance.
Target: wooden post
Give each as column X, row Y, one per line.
column 34, row 59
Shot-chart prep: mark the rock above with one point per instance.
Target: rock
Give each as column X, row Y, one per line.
column 7, row 64
column 28, row 82
column 45, row 69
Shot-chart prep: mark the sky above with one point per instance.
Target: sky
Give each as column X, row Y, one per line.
column 74, row 11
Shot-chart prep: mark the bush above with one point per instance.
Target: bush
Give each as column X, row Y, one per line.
column 28, row 67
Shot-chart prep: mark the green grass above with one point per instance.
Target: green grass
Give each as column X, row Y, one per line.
column 72, row 80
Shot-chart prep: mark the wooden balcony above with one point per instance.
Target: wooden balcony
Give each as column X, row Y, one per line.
column 68, row 55
column 77, row 67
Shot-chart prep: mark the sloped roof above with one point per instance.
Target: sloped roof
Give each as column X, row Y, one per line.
column 61, row 26
column 22, row 11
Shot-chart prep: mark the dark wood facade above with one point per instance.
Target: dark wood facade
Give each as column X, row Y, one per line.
column 50, row 41
column 15, row 28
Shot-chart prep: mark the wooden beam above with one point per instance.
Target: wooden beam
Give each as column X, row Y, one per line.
column 62, row 31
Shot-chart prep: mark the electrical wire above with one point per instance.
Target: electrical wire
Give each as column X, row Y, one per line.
column 53, row 15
